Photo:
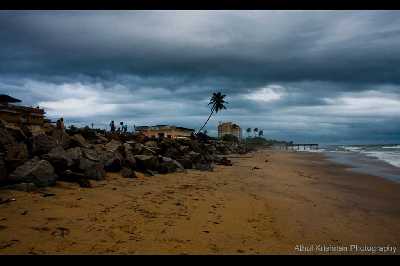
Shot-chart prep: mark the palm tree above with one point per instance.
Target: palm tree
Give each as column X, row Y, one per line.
column 255, row 131
column 248, row 130
column 217, row 101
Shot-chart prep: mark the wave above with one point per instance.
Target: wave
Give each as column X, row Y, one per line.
column 391, row 147
column 392, row 158
column 351, row 148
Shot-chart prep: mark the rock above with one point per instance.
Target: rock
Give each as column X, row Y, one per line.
column 96, row 172
column 185, row 162
column 59, row 159
column 42, row 144
column 203, row 166
column 26, row 187
column 168, row 165
column 79, row 178
column 15, row 131
column 91, row 169
column 146, row 162
column 91, row 154
column 100, row 138
column 5, row 137
column 127, row 173
column 114, row 164
column 78, row 140
column 136, row 148
column 74, row 154
column 113, row 146
column 148, row 151
column 61, row 138
column 16, row 154
column 3, row 170
column 194, row 156
column 223, row 161
column 129, row 159
column 151, row 144
column 33, row 130
column 40, row 172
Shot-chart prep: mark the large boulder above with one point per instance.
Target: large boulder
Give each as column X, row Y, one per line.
column 113, row 146
column 136, row 147
column 5, row 137
column 91, row 169
column 203, row 166
column 146, row 162
column 127, row 173
column 42, row 144
column 194, row 156
column 39, row 172
column 129, row 158
column 91, row 154
column 74, row 154
column 15, row 131
column 151, row 144
column 100, row 139
column 59, row 159
column 169, row 165
column 16, row 154
column 148, row 150
column 113, row 162
column 78, row 140
column 3, row 171
column 185, row 162
column 32, row 130
column 79, row 178
column 61, row 138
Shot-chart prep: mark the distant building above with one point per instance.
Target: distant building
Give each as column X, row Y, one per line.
column 229, row 128
column 17, row 114
column 165, row 131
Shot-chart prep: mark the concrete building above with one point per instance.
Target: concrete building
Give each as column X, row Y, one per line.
column 19, row 115
column 160, row 131
column 229, row 128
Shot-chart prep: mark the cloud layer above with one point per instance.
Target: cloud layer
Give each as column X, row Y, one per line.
column 323, row 76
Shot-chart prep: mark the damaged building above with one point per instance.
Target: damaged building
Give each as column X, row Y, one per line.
column 165, row 131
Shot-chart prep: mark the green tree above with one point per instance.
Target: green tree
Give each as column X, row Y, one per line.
column 248, row 130
column 255, row 131
column 217, row 103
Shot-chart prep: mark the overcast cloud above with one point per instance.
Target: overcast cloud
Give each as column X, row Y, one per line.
column 318, row 76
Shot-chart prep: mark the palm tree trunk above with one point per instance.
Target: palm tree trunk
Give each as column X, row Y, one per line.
column 212, row 111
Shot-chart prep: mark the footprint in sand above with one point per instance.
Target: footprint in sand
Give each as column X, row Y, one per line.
column 61, row 231
column 7, row 244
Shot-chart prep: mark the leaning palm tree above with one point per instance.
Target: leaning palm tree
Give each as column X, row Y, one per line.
column 217, row 101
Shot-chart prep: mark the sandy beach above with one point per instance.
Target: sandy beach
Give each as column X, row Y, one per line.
column 266, row 203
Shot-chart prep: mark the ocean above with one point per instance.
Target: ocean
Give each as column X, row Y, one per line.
column 378, row 160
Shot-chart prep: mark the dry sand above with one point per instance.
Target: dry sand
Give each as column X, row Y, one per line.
column 292, row 199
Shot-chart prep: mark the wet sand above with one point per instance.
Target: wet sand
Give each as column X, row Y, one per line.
column 266, row 203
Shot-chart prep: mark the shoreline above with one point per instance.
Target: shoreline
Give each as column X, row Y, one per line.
column 266, row 204
column 352, row 168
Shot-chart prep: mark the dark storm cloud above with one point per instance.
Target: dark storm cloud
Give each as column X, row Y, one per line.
column 252, row 46
column 282, row 71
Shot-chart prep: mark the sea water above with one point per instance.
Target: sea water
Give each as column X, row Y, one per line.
column 379, row 160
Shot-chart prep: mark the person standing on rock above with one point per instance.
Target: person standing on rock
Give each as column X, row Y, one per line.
column 62, row 123
column 112, row 126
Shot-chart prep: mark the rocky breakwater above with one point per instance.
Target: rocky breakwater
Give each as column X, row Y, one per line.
column 31, row 159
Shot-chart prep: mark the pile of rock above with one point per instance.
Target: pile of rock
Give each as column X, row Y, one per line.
column 40, row 157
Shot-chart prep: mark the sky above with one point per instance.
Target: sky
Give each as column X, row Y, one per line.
column 308, row 76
